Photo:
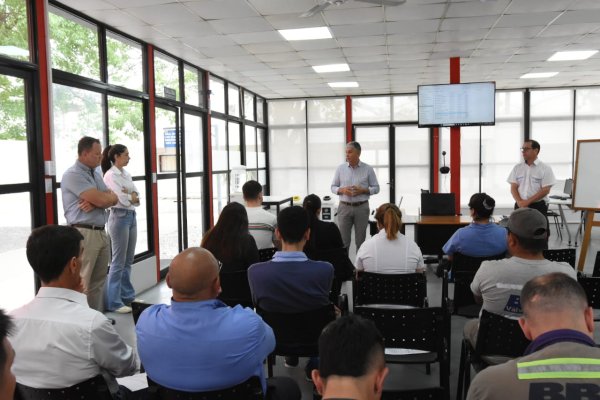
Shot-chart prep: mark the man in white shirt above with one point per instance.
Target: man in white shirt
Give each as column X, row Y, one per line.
column 261, row 223
column 59, row 340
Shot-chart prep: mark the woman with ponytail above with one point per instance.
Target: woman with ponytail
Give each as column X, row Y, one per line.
column 389, row 252
column 122, row 228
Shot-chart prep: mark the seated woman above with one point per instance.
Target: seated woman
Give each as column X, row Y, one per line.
column 481, row 238
column 325, row 244
column 389, row 251
column 230, row 241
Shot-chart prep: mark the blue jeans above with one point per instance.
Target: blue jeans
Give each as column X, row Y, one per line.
column 122, row 227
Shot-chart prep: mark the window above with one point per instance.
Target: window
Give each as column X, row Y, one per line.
column 166, row 76
column 193, row 86
column 217, row 94
column 233, row 99
column 124, row 60
column 371, row 109
column 250, row 146
column 260, row 110
column 14, row 32
column 234, row 147
column 74, row 44
column 219, row 145
column 249, row 106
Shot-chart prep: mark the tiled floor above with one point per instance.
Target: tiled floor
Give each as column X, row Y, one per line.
column 401, row 376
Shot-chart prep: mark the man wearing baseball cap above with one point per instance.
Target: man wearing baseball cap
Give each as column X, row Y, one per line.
column 497, row 284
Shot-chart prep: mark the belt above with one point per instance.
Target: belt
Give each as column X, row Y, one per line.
column 86, row 226
column 356, row 204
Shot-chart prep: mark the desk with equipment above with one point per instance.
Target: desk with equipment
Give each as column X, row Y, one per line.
column 277, row 201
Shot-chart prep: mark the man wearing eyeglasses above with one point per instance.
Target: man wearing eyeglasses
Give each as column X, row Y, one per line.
column 531, row 180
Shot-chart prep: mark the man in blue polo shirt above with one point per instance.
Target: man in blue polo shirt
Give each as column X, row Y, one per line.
column 85, row 199
column 290, row 282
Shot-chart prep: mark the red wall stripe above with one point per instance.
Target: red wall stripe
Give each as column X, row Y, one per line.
column 455, row 141
column 348, row 119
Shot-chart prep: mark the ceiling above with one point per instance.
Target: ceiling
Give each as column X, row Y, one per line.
column 388, row 49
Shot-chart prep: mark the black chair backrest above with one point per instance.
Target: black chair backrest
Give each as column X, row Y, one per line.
column 266, row 254
column 250, row 389
column 433, row 393
column 406, row 289
column 298, row 333
column 500, row 336
column 461, row 262
column 410, row 328
column 437, row 204
column 136, row 310
column 93, row 389
column 235, row 288
column 596, row 272
column 561, row 255
column 338, row 257
column 591, row 285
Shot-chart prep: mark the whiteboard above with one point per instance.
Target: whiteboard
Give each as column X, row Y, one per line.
column 586, row 185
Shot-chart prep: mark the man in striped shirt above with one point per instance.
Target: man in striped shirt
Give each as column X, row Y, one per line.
column 354, row 181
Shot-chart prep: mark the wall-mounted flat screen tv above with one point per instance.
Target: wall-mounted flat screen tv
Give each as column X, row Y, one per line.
column 458, row 104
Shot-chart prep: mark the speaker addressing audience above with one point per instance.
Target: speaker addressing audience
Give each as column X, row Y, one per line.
column 351, row 360
column 389, row 251
column 59, row 340
column 7, row 356
column 354, row 181
column 198, row 343
column 261, row 223
column 562, row 360
column 497, row 284
column 482, row 237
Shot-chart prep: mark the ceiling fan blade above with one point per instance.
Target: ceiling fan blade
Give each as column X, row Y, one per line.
column 384, row 2
column 315, row 10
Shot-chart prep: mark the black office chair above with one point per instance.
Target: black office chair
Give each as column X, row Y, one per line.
column 561, row 255
column 406, row 289
column 423, row 329
column 434, row 393
column 92, row 389
column 266, row 254
column 136, row 310
column 555, row 216
column 497, row 336
column 296, row 334
column 464, row 269
column 596, row 272
column 343, row 269
column 235, row 289
column 591, row 285
column 251, row 389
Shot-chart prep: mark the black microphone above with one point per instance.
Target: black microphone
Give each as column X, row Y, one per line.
column 444, row 169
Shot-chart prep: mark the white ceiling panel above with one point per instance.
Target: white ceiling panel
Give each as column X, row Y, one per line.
column 476, row 8
column 411, row 39
column 224, row 51
column 515, row 33
column 531, row 19
column 354, row 16
column 266, row 48
column 365, row 51
column 209, row 41
column 116, row 18
column 314, row 44
column 362, row 41
column 270, row 7
column 255, row 37
column 161, row 14
column 448, row 46
column 358, row 59
column 321, row 54
column 570, row 29
column 409, row 27
column 271, row 57
column 186, row 29
column 465, row 24
column 211, row 9
column 415, row 11
column 240, row 25
column 340, row 31
column 462, row 36
column 579, row 16
column 528, row 6
column 416, row 49
column 292, row 21
column 89, row 5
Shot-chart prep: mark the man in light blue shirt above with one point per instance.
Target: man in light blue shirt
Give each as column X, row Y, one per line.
column 198, row 343
column 85, row 199
column 354, row 181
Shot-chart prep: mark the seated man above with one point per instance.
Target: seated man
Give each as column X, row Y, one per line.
column 497, row 284
column 59, row 340
column 261, row 223
column 198, row 343
column 562, row 360
column 290, row 282
column 352, row 360
column 7, row 356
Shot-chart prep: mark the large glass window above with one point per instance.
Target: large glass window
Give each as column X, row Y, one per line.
column 219, row 145
column 371, row 109
column 124, row 60
column 552, row 126
column 13, row 131
column 250, row 146
column 587, row 115
column 233, row 100
column 166, row 76
column 234, row 146
column 193, row 86
column 217, row 94
column 166, row 141
column 14, row 32
column 412, row 166
column 194, row 158
column 74, row 44
column 260, row 110
column 249, row 106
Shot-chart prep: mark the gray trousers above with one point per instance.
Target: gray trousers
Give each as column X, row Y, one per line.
column 96, row 256
column 358, row 217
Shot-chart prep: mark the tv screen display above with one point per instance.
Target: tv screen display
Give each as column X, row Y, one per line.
column 460, row 104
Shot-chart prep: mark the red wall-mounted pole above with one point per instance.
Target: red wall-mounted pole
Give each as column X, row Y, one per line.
column 455, row 141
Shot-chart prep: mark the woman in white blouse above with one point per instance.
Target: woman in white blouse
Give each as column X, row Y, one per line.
column 389, row 251
column 122, row 228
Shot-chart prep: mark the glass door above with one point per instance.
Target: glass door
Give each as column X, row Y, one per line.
column 375, row 144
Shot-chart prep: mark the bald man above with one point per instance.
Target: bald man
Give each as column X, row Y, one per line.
column 562, row 360
column 198, row 343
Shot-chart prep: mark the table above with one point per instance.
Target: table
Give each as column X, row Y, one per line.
column 432, row 232
column 277, row 201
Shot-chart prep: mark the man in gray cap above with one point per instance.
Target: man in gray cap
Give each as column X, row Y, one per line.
column 497, row 284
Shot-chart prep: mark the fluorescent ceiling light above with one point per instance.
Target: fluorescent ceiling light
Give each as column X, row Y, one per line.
column 572, row 55
column 534, row 75
column 331, row 68
column 14, row 51
column 342, row 84
column 306, row 33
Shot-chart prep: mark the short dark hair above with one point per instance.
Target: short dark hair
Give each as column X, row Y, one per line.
column 533, row 246
column 356, row 145
column 312, row 203
column 6, row 327
column 555, row 290
column 251, row 190
column 350, row 346
column 86, row 143
column 534, row 144
column 292, row 223
column 49, row 249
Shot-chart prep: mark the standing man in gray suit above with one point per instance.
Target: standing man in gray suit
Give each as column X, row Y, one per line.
column 354, row 181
